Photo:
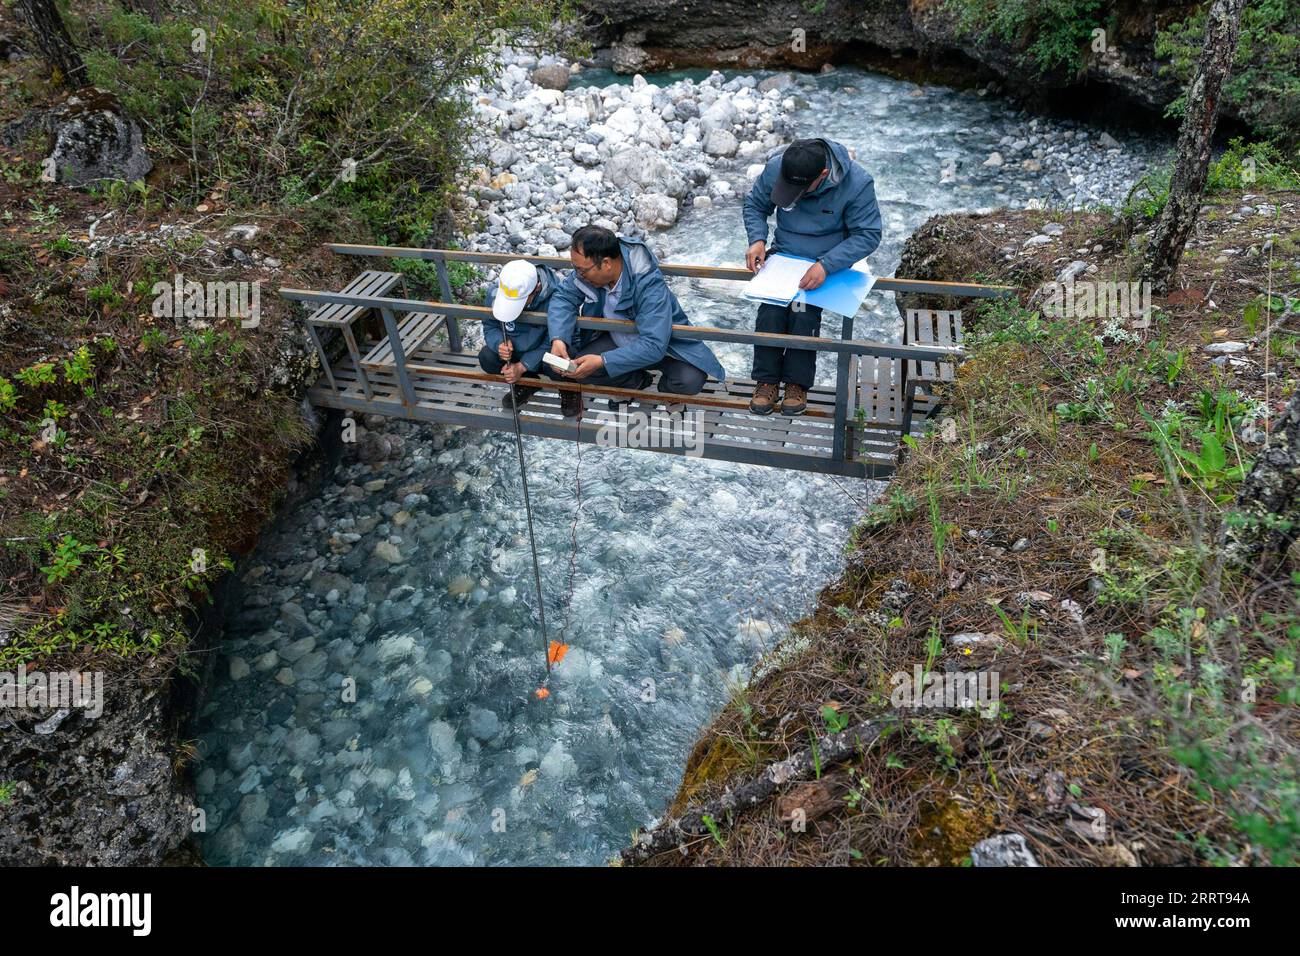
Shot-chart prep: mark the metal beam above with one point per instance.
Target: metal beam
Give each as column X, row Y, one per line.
column 695, row 332
column 399, row 357
column 715, row 450
column 444, row 285
column 842, row 392
column 972, row 290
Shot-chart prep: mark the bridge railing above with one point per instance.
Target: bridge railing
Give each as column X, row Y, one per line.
column 442, row 256
column 846, row 347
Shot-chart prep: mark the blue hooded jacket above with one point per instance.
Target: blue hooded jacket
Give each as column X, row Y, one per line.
column 530, row 341
column 837, row 223
column 645, row 300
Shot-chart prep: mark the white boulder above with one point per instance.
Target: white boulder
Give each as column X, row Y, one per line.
column 720, row 143
column 654, row 210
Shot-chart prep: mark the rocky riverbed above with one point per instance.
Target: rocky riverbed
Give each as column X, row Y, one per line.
column 633, row 156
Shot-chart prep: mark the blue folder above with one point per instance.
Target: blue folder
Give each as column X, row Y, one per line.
column 841, row 292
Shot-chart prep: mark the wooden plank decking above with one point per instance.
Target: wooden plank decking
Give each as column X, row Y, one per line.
column 413, row 330
column 731, row 433
column 929, row 327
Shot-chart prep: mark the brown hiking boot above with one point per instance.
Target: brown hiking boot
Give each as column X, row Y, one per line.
column 518, row 396
column 571, row 403
column 795, row 401
column 764, row 399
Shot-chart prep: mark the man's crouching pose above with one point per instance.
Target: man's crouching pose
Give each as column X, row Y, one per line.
column 515, row 349
column 618, row 278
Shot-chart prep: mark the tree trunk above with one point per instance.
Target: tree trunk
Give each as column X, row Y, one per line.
column 1266, row 518
column 150, row 8
column 804, row 765
column 41, row 17
column 1178, row 218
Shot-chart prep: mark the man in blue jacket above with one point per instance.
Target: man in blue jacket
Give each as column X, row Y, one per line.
column 826, row 211
column 515, row 349
column 618, row 278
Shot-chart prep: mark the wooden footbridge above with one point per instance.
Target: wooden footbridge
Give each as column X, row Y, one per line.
column 854, row 428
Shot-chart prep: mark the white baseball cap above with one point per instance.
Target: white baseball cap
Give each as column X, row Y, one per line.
column 516, row 283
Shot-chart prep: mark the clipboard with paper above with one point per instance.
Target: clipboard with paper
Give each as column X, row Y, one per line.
column 778, row 280
column 842, row 292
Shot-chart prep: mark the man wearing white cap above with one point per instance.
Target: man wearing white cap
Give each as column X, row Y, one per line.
column 515, row 349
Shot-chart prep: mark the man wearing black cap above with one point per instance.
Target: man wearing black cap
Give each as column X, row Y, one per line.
column 825, row 210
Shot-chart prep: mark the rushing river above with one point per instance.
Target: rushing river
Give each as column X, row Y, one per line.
column 383, row 713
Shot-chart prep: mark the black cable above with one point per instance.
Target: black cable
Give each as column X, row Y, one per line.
column 528, row 509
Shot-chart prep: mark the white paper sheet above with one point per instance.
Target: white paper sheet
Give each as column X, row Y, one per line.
column 778, row 280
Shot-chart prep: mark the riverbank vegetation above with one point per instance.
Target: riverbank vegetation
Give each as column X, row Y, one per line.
column 288, row 104
column 142, row 451
column 1264, row 87
column 1060, row 528
column 1059, row 37
column 140, row 455
column 1262, row 165
column 1051, row 36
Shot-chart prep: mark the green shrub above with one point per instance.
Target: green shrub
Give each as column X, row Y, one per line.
column 1051, row 35
column 1264, row 88
column 1251, row 166
column 1149, row 194
column 359, row 104
column 34, row 376
column 1254, row 166
column 65, row 559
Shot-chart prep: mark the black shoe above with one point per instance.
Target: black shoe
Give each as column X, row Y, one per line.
column 571, row 403
column 518, row 397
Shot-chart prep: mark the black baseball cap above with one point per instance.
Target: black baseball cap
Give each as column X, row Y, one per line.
column 801, row 163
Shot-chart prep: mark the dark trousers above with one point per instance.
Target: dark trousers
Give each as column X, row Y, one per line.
column 791, row 366
column 678, row 378
column 490, row 362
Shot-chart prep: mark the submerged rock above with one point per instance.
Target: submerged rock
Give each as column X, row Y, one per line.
column 297, row 840
column 483, row 723
column 396, row 648
column 558, row 765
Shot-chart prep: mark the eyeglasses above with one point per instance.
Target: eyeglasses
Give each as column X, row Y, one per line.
column 584, row 270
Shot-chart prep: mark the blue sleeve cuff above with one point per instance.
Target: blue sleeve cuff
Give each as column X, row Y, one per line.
column 532, row 359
